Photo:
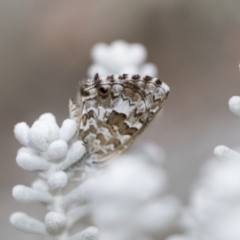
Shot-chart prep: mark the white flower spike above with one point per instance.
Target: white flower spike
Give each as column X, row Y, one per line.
column 50, row 151
column 120, row 57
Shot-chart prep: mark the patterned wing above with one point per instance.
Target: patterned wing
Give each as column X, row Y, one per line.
column 115, row 110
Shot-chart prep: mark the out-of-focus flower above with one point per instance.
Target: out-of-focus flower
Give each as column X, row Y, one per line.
column 179, row 237
column 130, row 202
column 120, row 57
column 214, row 211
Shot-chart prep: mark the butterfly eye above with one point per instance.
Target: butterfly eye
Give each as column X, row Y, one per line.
column 103, row 91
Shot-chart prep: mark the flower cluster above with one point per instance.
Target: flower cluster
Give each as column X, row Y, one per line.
column 120, row 57
column 214, row 209
column 130, row 200
column 50, row 151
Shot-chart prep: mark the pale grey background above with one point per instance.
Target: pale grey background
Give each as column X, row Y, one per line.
column 45, row 49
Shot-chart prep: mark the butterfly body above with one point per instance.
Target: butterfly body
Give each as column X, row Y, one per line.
column 112, row 111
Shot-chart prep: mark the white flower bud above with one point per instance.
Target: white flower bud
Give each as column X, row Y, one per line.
column 68, row 129
column 57, row 150
column 58, row 180
column 75, row 153
column 27, row 224
column 234, row 105
column 55, row 222
column 21, row 131
column 226, row 153
column 31, row 162
column 28, row 195
column 49, row 117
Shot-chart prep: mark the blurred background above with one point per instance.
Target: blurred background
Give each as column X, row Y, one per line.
column 45, row 50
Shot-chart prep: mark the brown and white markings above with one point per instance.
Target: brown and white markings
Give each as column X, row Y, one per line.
column 112, row 111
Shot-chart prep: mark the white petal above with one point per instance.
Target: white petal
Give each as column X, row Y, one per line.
column 27, row 224
column 68, row 129
column 21, row 131
column 234, row 105
column 57, row 149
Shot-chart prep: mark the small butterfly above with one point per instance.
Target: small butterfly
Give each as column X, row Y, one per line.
column 112, row 111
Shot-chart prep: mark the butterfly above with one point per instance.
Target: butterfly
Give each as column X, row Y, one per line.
column 112, row 111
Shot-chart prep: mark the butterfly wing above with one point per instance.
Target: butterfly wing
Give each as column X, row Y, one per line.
column 115, row 110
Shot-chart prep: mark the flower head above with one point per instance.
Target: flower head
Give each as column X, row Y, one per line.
column 120, row 57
